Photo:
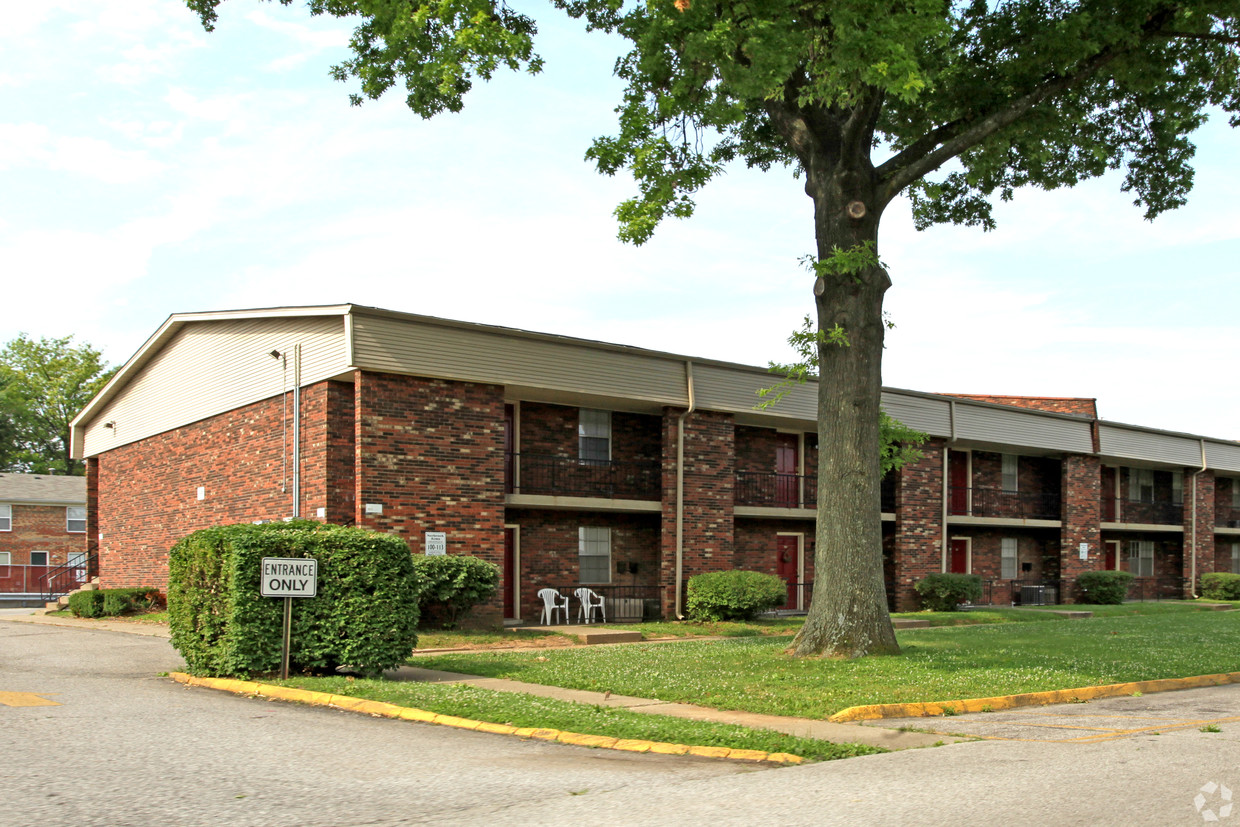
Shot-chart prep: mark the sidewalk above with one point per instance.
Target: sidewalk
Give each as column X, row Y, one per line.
column 805, row 727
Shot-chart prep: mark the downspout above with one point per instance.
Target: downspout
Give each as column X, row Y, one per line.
column 680, row 489
column 1192, row 585
column 951, row 413
column 296, row 431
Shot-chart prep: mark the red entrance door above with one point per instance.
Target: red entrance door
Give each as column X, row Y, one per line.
column 786, row 566
column 510, row 572
column 786, row 471
column 959, row 563
column 1112, row 547
column 958, row 482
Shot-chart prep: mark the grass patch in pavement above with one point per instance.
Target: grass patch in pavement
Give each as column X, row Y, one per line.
column 531, row 711
column 946, row 663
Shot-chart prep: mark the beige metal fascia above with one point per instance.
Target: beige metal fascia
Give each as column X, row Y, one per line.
column 680, row 489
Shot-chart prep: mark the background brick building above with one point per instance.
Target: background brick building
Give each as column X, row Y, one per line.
column 42, row 527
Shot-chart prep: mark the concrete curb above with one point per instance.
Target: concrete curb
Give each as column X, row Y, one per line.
column 386, row 710
column 1060, row 696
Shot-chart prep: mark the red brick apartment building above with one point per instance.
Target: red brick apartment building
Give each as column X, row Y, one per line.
column 42, row 527
column 569, row 462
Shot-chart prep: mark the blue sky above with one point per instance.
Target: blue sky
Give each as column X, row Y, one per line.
column 148, row 167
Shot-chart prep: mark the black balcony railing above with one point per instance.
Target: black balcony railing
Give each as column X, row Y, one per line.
column 1157, row 512
column 1157, row 588
column 776, row 490
column 994, row 502
column 570, row 477
column 887, row 492
column 64, row 579
column 624, row 604
column 1227, row 516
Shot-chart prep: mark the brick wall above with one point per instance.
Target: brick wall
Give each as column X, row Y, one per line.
column 1224, row 512
column 40, row 528
column 1222, row 552
column 917, row 542
column 709, row 486
column 754, row 544
column 1082, row 492
column 1200, row 543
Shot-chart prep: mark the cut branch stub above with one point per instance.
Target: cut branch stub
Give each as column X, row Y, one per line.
column 856, row 209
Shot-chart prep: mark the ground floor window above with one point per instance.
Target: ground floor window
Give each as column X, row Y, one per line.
column 1141, row 557
column 38, row 558
column 5, row 558
column 594, row 554
column 1007, row 558
column 1235, row 558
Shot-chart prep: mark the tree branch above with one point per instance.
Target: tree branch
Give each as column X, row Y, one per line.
column 1220, row 38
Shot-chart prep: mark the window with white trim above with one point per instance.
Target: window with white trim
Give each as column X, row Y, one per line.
column 1235, row 558
column 1141, row 557
column 1140, row 485
column 38, row 558
column 594, row 435
column 594, row 554
column 6, row 518
column 1235, row 493
column 1177, row 487
column 75, row 519
column 1007, row 558
column 1011, row 464
column 6, row 558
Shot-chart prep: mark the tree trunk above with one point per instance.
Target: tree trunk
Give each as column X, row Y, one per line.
column 848, row 614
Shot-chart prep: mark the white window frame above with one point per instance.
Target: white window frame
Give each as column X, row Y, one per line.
column 1177, row 487
column 1235, row 492
column 70, row 519
column 1009, row 555
column 1140, row 480
column 593, row 424
column 593, row 543
column 6, row 558
column 6, row 517
column 47, row 558
column 1141, row 558
column 1235, row 558
column 1010, row 477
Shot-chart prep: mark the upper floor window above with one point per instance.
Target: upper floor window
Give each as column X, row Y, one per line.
column 38, row 558
column 6, row 518
column 75, row 519
column 6, row 558
column 594, row 435
column 1010, row 477
column 1235, row 493
column 1177, row 487
column 1140, row 485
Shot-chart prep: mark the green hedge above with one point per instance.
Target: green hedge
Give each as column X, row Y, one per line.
column 364, row 615
column 942, row 592
column 1104, row 588
column 1220, row 585
column 733, row 595
column 451, row 586
column 113, row 602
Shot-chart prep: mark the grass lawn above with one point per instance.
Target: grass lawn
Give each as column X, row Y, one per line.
column 754, row 674
column 531, row 711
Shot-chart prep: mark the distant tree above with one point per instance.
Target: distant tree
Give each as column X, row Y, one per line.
column 950, row 103
column 43, row 385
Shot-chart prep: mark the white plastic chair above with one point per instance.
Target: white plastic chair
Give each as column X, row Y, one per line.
column 590, row 600
column 553, row 602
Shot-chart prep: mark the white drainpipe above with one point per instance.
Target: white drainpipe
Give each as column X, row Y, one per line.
column 680, row 490
column 1192, row 585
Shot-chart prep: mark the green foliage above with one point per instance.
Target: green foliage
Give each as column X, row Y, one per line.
column 364, row 615
column 1220, row 585
column 113, row 602
column 44, row 384
column 944, row 591
column 733, row 595
column 1106, row 588
column 451, row 585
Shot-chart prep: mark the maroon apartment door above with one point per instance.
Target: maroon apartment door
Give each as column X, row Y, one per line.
column 510, row 571
column 959, row 556
column 1108, row 495
column 786, row 566
column 958, row 482
column 786, row 471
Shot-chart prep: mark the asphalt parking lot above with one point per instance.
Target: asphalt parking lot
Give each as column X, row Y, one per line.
column 1099, row 720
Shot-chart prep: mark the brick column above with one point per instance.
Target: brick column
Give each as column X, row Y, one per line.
column 709, row 498
column 92, row 515
column 1082, row 512
column 918, row 540
column 1200, row 542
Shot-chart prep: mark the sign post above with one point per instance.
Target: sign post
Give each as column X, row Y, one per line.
column 289, row 577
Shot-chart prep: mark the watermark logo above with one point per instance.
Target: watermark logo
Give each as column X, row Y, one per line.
column 1213, row 801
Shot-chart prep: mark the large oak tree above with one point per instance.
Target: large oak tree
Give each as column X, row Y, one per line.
column 948, row 103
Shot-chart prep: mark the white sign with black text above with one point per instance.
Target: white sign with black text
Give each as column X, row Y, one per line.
column 436, row 543
column 289, row 577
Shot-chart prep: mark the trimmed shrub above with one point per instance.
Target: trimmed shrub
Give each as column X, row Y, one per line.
column 113, row 602
column 733, row 595
column 452, row 584
column 364, row 615
column 1220, row 585
column 1104, row 588
column 943, row 592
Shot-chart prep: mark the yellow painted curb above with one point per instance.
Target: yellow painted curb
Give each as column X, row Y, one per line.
column 1059, row 696
column 387, row 710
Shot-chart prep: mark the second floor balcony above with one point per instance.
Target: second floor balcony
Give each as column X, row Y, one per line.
column 994, row 502
column 771, row 490
column 571, row 477
column 1147, row 512
column 1227, row 517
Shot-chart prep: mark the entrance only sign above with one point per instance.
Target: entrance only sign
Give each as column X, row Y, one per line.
column 289, row 577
